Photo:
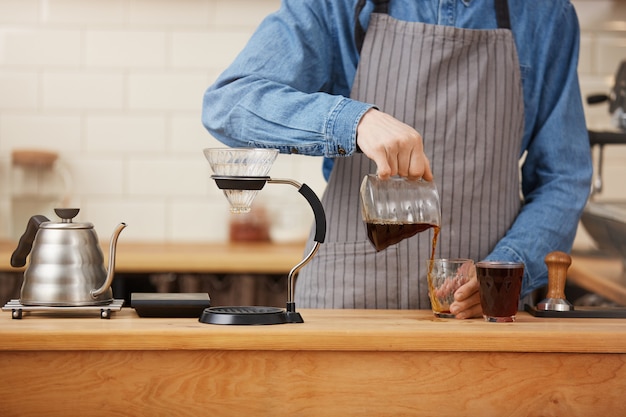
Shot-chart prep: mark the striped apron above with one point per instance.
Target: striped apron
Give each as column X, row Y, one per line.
column 461, row 89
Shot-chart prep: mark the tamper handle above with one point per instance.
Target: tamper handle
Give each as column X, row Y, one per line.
column 558, row 263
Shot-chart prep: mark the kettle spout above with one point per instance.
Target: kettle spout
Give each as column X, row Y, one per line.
column 111, row 268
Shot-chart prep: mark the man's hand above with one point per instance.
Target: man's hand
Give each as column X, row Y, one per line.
column 466, row 303
column 395, row 147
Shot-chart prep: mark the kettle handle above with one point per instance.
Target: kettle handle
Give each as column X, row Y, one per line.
column 18, row 259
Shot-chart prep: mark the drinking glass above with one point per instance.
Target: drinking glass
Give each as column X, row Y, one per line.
column 500, row 284
column 445, row 276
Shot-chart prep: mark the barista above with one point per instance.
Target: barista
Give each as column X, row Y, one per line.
column 454, row 90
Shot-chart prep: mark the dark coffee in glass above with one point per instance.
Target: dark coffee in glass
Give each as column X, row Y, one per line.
column 382, row 235
column 500, row 284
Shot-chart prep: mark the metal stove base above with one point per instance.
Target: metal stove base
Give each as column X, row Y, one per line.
column 105, row 311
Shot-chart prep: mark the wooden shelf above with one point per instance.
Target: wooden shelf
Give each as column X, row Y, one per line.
column 143, row 257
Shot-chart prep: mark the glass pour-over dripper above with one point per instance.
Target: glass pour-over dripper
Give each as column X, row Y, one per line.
column 240, row 162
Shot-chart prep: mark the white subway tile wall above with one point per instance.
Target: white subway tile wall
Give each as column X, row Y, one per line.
column 115, row 87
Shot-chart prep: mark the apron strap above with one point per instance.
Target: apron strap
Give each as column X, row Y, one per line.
column 359, row 33
column 382, row 6
column 502, row 14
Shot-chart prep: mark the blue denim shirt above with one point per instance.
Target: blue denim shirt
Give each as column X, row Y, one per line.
column 289, row 89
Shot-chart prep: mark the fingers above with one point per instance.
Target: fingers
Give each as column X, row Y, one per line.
column 467, row 301
column 414, row 164
column 469, row 313
column 468, row 289
column 395, row 147
column 425, row 171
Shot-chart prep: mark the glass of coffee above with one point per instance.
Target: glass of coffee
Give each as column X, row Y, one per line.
column 500, row 284
column 445, row 276
column 398, row 208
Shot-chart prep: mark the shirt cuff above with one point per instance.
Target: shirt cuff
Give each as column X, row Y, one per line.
column 504, row 254
column 341, row 127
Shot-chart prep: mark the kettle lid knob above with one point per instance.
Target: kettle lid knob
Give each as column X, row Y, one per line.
column 67, row 214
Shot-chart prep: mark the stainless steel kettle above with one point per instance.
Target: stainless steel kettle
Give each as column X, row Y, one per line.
column 66, row 262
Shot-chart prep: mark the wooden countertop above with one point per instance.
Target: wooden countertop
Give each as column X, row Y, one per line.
column 144, row 257
column 323, row 330
column 338, row 363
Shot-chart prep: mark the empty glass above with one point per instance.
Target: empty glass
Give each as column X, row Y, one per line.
column 398, row 208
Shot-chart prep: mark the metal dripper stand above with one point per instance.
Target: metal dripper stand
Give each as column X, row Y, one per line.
column 238, row 188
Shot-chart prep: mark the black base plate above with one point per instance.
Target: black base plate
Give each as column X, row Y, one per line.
column 244, row 315
column 581, row 312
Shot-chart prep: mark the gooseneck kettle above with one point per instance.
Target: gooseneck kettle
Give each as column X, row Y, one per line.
column 66, row 263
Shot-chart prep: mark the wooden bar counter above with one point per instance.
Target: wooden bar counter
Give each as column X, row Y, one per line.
column 337, row 363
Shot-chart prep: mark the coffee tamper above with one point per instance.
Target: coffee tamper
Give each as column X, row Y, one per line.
column 557, row 263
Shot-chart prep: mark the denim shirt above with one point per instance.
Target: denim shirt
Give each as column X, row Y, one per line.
column 289, row 89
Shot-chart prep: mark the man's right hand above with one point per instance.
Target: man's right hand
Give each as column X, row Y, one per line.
column 394, row 146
